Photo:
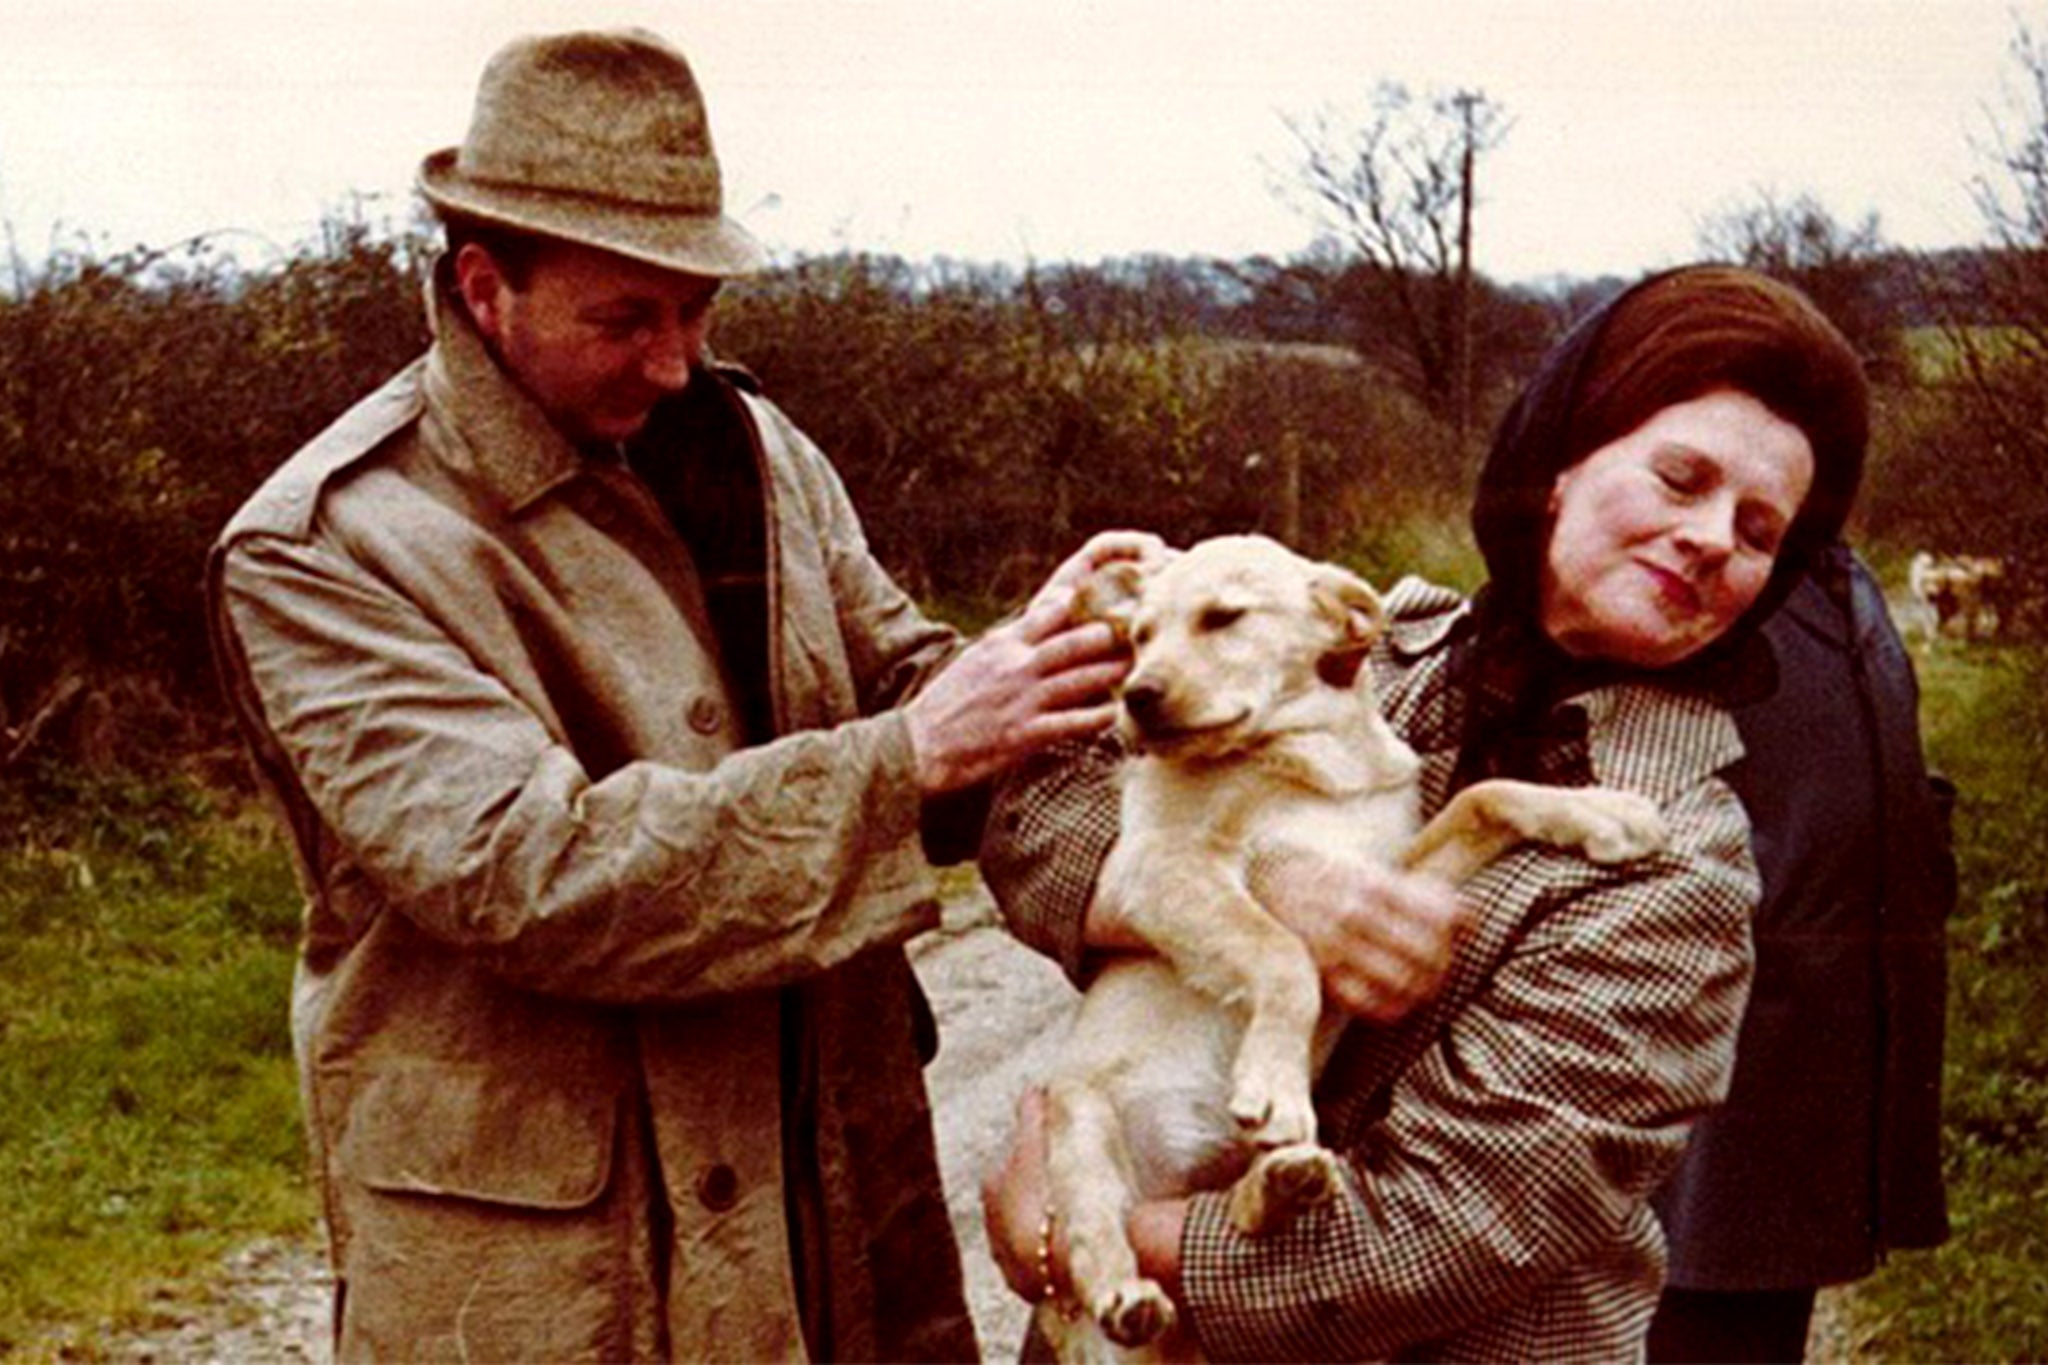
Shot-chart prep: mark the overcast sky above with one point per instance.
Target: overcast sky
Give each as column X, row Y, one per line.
column 1051, row 129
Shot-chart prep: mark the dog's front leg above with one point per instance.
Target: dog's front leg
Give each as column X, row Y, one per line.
column 1223, row 943
column 1488, row 818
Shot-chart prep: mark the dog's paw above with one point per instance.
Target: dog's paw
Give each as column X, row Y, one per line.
column 1619, row 827
column 1135, row 1313
column 1299, row 1177
column 1268, row 1118
column 1280, row 1186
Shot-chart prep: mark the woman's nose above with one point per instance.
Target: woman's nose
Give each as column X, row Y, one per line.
column 1709, row 533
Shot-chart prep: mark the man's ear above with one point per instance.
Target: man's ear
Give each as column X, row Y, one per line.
column 1111, row 594
column 481, row 282
column 1356, row 613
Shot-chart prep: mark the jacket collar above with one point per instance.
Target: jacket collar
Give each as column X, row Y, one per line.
column 492, row 432
column 1420, row 614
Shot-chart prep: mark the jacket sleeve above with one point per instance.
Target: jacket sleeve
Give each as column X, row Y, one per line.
column 455, row 802
column 1050, row 829
column 1526, row 1136
column 893, row 648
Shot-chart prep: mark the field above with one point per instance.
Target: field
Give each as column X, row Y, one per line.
column 1984, row 1296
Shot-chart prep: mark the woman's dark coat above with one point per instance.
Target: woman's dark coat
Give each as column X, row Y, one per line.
column 1826, row 1154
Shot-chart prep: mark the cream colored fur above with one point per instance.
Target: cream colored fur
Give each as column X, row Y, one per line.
column 1255, row 728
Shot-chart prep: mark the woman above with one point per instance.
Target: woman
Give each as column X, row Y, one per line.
column 1648, row 501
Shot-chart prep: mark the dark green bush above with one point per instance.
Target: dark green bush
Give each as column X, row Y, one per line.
column 141, row 398
column 986, row 421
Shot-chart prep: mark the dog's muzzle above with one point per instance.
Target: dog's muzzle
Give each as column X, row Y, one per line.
column 1151, row 723
column 1145, row 704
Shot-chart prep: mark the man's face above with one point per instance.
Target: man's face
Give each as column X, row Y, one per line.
column 596, row 339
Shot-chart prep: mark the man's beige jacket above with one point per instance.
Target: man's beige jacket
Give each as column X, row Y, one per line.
column 551, row 902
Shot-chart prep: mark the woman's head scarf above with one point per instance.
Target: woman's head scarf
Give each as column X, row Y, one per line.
column 1673, row 337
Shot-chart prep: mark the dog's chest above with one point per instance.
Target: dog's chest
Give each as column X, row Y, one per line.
column 1369, row 827
column 1239, row 809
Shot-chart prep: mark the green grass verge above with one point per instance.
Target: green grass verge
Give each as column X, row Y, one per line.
column 148, row 1111
column 1984, row 1296
column 1937, row 353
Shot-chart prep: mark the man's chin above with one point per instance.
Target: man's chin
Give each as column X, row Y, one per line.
column 611, row 430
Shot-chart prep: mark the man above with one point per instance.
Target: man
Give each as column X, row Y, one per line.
column 611, row 760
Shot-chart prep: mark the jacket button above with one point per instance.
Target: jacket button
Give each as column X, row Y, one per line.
column 718, row 1187
column 706, row 715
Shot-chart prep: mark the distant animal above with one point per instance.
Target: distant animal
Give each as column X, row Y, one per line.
column 1968, row 596
column 1253, row 725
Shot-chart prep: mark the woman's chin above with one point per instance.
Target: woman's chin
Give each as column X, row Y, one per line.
column 1633, row 643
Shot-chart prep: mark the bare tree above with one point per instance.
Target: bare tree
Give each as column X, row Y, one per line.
column 1995, row 305
column 2014, row 194
column 1399, row 190
column 1843, row 267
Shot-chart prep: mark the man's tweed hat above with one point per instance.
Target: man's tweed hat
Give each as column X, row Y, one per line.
column 597, row 138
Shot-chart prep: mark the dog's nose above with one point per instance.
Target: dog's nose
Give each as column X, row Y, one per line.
column 1145, row 702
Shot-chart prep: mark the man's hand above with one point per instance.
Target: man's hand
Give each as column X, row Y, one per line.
column 1381, row 938
column 1033, row 681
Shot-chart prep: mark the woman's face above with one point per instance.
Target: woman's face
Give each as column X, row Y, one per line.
column 1660, row 540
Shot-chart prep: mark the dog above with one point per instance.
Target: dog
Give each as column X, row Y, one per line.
column 1251, row 718
column 1966, row 595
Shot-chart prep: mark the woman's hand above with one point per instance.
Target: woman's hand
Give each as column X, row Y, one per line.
column 1014, row 1201
column 1381, row 938
column 1014, row 1198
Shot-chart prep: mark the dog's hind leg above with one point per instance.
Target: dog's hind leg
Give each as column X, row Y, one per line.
column 1089, row 1172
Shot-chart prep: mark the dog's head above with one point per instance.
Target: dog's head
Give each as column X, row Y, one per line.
column 1236, row 641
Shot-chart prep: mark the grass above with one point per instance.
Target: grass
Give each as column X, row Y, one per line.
column 1937, row 354
column 148, row 1111
column 1435, row 545
column 1984, row 1296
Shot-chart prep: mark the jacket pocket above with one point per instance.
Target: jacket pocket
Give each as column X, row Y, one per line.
column 476, row 1133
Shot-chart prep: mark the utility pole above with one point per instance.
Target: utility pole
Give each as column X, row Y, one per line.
column 1461, row 398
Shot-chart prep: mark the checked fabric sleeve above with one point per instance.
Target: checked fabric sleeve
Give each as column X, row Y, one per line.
column 1050, row 829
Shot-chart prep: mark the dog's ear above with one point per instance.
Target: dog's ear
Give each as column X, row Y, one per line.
column 1358, row 615
column 1111, row 594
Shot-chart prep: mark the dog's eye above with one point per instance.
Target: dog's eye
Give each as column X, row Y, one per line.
column 1220, row 618
column 1142, row 635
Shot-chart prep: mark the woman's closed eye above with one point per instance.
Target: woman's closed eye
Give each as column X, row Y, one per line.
column 1761, row 529
column 1683, row 474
